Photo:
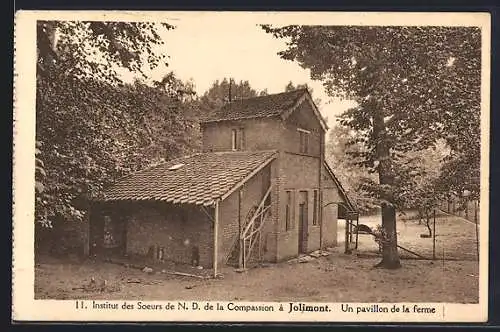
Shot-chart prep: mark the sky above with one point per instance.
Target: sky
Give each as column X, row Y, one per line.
column 204, row 49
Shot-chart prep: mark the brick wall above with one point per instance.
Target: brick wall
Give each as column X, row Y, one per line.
column 331, row 194
column 303, row 117
column 267, row 133
column 171, row 226
column 298, row 173
column 252, row 193
column 330, row 213
column 165, row 225
column 260, row 134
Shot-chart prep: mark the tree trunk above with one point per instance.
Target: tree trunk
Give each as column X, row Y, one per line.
column 390, row 256
column 427, row 223
column 420, row 216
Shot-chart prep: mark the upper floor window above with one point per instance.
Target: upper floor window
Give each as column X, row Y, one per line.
column 237, row 139
column 304, row 140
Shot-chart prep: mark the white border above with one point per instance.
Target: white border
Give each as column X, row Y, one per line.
column 24, row 305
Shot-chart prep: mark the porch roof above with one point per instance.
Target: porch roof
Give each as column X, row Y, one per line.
column 198, row 179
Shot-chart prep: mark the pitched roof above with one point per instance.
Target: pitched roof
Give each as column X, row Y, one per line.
column 279, row 104
column 198, row 179
column 343, row 193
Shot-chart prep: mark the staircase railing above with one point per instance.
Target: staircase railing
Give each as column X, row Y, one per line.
column 252, row 232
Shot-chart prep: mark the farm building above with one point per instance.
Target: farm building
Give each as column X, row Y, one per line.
column 260, row 190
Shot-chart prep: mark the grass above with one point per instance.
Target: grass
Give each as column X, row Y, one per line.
column 335, row 278
column 455, row 237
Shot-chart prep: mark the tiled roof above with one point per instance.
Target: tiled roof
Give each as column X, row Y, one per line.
column 343, row 193
column 258, row 107
column 199, row 179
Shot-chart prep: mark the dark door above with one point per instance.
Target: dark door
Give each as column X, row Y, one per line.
column 303, row 222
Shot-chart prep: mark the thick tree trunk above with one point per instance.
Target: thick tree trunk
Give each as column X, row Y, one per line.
column 390, row 256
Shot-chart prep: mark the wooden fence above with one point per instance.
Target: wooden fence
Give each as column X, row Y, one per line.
column 468, row 209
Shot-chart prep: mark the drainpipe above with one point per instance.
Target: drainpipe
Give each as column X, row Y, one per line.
column 216, row 228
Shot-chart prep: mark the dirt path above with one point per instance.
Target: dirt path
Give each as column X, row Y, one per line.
column 335, row 278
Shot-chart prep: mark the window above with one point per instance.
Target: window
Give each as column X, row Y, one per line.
column 304, row 140
column 315, row 208
column 234, row 139
column 237, row 139
column 288, row 211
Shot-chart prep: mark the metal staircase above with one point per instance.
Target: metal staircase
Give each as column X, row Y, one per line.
column 248, row 246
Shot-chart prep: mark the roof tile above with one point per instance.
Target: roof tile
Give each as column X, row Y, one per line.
column 192, row 182
column 257, row 107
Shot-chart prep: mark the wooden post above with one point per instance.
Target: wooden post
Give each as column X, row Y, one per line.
column 216, row 229
column 240, row 229
column 351, row 229
column 319, row 215
column 346, row 244
column 260, row 246
column 434, row 237
column 319, row 203
column 244, row 254
column 475, row 211
column 357, row 228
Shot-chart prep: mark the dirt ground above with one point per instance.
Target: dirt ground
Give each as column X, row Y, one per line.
column 334, row 278
column 455, row 237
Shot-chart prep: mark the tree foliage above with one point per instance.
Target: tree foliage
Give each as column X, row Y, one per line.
column 291, row 87
column 342, row 152
column 223, row 90
column 413, row 85
column 97, row 49
column 91, row 128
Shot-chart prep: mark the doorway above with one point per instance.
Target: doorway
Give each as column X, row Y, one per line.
column 303, row 222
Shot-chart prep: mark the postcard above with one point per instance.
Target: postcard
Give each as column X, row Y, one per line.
column 251, row 166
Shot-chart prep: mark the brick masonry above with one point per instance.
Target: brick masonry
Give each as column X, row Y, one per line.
column 178, row 229
column 260, row 134
column 233, row 212
column 170, row 226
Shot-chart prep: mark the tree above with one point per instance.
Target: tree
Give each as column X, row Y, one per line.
column 342, row 152
column 99, row 49
column 417, row 181
column 291, row 87
column 413, row 86
column 223, row 90
column 263, row 93
column 91, row 128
